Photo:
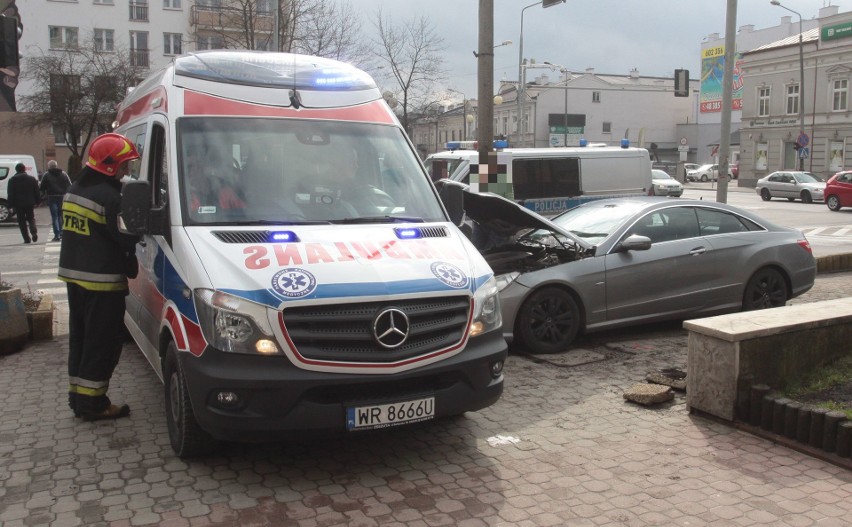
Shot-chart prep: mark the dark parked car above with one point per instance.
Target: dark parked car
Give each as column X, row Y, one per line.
column 838, row 190
column 624, row 261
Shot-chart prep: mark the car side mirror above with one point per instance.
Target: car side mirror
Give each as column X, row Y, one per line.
column 452, row 195
column 634, row 242
column 135, row 207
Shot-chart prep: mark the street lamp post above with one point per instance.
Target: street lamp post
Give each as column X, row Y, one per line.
column 521, row 79
column 464, row 112
column 801, row 161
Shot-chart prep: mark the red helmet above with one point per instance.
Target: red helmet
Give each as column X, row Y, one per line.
column 109, row 151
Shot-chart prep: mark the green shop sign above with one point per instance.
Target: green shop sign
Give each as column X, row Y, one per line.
column 836, row 31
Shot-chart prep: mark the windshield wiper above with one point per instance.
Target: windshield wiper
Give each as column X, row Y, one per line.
column 266, row 222
column 380, row 219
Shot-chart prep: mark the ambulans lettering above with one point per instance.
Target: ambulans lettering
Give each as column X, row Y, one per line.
column 282, row 255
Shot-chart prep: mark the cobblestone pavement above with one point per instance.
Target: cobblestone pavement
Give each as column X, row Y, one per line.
column 561, row 447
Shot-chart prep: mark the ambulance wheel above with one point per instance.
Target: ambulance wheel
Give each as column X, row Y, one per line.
column 187, row 438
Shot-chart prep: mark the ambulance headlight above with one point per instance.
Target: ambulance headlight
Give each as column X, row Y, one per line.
column 486, row 305
column 233, row 324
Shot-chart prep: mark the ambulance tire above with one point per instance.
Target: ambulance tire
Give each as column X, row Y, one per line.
column 187, row 438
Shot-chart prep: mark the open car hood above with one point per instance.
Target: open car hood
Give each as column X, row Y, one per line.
column 509, row 218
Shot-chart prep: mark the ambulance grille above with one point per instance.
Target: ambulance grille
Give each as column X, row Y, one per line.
column 242, row 236
column 434, row 232
column 344, row 332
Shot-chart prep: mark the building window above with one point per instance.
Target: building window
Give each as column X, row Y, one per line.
column 103, row 2
column 63, row 37
column 104, row 40
column 171, row 43
column 793, row 99
column 596, row 96
column 763, row 101
column 139, row 10
column 209, row 42
column 607, row 128
column 839, row 95
column 171, row 4
column 139, row 49
column 264, row 7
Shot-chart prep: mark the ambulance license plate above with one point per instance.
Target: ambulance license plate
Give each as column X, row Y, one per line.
column 392, row 414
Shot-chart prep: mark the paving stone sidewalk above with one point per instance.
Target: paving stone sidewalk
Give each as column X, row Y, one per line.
column 561, row 447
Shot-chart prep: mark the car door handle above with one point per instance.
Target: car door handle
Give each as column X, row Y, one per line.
column 697, row 251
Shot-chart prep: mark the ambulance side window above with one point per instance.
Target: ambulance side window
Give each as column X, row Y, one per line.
column 158, row 168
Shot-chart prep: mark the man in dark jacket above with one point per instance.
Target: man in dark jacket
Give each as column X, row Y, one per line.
column 22, row 192
column 95, row 260
column 54, row 184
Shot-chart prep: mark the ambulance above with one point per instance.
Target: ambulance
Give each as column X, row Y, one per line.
column 298, row 271
column 549, row 181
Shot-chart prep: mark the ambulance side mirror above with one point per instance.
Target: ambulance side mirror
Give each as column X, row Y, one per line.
column 452, row 195
column 135, row 207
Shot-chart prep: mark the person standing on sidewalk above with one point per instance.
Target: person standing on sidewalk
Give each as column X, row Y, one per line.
column 23, row 195
column 95, row 260
column 54, row 184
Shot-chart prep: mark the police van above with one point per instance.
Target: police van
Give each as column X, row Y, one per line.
column 298, row 270
column 548, row 180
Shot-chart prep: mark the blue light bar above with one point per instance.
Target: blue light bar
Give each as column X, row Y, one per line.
column 408, row 233
column 501, row 143
column 584, row 141
column 625, row 143
column 274, row 70
column 282, row 237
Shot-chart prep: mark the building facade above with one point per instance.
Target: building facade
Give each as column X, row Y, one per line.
column 772, row 134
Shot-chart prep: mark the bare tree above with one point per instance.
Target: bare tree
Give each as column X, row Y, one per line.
column 411, row 54
column 77, row 92
column 313, row 27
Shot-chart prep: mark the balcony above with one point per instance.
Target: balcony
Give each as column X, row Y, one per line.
column 139, row 58
column 139, row 12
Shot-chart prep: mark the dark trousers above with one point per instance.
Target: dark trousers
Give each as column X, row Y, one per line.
column 96, row 335
column 26, row 217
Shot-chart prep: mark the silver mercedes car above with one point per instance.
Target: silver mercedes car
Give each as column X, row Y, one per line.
column 625, row 261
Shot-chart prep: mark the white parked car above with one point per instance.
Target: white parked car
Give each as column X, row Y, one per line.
column 707, row 173
column 662, row 184
column 792, row 185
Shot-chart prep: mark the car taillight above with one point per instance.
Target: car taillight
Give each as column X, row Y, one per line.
column 805, row 244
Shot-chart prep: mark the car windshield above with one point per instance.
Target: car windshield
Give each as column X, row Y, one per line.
column 439, row 168
column 659, row 174
column 261, row 171
column 596, row 222
column 807, row 177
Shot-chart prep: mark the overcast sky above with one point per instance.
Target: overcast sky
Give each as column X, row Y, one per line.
column 611, row 36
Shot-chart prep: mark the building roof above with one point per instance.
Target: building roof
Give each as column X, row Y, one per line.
column 811, row 35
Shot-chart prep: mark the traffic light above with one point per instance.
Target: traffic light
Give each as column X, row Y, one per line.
column 8, row 42
column 681, row 82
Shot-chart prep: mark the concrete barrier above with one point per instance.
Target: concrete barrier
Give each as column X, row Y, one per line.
column 770, row 347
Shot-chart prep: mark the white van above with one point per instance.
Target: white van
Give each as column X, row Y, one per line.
column 7, row 170
column 279, row 292
column 549, row 180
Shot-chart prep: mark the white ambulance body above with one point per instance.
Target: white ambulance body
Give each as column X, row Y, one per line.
column 549, row 180
column 7, row 170
column 279, row 291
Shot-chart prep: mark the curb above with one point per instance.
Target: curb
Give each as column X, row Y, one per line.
column 834, row 263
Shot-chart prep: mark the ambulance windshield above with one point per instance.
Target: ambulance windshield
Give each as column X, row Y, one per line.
column 247, row 171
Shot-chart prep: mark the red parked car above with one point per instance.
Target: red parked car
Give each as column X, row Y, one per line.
column 838, row 190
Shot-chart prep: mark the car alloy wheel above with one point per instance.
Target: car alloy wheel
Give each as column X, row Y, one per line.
column 765, row 195
column 548, row 321
column 767, row 288
column 833, row 203
column 806, row 197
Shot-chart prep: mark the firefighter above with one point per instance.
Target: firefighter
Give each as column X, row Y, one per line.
column 95, row 261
